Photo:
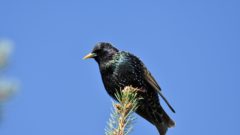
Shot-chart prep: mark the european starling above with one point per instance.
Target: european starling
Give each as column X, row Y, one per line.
column 120, row 69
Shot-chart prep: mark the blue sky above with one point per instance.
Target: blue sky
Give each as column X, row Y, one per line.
column 191, row 48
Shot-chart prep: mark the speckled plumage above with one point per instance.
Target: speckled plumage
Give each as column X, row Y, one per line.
column 119, row 69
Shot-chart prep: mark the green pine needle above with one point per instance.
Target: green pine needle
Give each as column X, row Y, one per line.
column 121, row 118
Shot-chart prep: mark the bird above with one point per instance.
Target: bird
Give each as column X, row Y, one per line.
column 119, row 69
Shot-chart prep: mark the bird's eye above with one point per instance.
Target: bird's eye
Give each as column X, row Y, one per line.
column 96, row 51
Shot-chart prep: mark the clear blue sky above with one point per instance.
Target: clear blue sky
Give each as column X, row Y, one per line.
column 191, row 47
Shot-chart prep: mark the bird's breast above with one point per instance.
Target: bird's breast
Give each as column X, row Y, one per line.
column 108, row 78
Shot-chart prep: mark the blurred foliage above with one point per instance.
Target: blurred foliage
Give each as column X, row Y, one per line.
column 7, row 87
column 6, row 47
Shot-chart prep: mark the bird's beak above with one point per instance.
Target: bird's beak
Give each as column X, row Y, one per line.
column 90, row 55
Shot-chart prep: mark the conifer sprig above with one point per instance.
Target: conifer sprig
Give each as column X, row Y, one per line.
column 121, row 118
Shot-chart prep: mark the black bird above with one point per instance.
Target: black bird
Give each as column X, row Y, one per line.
column 119, row 69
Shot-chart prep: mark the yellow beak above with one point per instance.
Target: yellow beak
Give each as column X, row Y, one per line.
column 90, row 55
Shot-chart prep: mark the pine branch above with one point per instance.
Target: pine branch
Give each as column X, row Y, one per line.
column 7, row 87
column 121, row 119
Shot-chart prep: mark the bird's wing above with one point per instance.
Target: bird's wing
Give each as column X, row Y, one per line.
column 149, row 78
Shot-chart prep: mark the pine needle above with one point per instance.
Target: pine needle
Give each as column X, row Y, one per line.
column 121, row 118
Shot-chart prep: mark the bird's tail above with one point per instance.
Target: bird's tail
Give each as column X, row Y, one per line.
column 164, row 122
column 162, row 129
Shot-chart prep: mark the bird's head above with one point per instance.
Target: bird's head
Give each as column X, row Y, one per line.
column 102, row 52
